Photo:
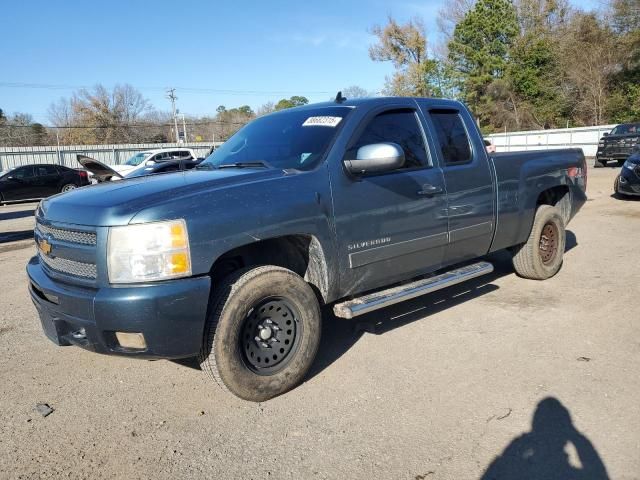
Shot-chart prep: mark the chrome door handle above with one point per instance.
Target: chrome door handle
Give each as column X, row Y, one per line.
column 429, row 190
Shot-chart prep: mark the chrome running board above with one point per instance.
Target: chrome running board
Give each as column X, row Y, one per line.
column 384, row 298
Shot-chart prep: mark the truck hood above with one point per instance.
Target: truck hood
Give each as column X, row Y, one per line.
column 116, row 203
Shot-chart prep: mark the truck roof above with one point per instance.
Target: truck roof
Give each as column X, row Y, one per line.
column 374, row 101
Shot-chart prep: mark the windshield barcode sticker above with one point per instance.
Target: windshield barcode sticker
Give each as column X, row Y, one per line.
column 322, row 121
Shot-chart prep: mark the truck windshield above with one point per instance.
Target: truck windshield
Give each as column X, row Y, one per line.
column 626, row 129
column 296, row 139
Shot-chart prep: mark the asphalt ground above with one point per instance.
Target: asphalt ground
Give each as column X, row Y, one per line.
column 497, row 378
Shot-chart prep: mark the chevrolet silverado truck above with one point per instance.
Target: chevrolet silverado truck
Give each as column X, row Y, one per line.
column 618, row 145
column 355, row 205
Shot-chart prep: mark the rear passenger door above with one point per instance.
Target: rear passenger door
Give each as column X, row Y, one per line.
column 469, row 182
column 393, row 225
column 47, row 180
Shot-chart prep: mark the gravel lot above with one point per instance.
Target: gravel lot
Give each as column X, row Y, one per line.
column 438, row 388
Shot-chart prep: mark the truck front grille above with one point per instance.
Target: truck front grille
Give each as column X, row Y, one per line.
column 72, row 236
column 70, row 267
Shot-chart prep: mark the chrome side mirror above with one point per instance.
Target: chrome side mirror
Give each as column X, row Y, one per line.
column 376, row 158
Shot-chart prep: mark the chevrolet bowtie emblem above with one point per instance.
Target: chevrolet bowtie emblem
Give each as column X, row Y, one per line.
column 45, row 246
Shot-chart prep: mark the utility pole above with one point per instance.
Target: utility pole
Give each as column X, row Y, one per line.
column 184, row 128
column 171, row 95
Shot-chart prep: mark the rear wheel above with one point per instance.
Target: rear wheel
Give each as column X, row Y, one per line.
column 540, row 257
column 600, row 162
column 263, row 332
column 68, row 187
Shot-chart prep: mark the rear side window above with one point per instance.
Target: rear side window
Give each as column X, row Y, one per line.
column 396, row 126
column 43, row 170
column 452, row 137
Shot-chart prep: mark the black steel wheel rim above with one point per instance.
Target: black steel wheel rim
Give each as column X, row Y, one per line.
column 270, row 335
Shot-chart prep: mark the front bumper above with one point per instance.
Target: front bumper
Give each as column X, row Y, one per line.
column 171, row 315
column 629, row 182
column 616, row 155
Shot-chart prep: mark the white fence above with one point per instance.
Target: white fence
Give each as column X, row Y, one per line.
column 584, row 137
column 66, row 155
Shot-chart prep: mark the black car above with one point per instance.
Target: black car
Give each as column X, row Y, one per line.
column 628, row 181
column 33, row 182
column 618, row 144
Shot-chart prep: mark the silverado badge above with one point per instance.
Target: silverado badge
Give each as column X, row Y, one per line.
column 45, row 246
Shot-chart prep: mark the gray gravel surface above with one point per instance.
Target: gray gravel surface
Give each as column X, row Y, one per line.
column 438, row 388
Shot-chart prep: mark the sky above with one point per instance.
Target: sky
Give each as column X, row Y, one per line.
column 213, row 53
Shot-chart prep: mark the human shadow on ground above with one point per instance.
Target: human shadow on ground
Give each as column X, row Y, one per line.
column 541, row 454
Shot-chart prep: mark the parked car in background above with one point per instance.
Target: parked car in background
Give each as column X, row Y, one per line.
column 628, row 180
column 101, row 172
column 33, row 182
column 618, row 144
column 491, row 148
column 147, row 158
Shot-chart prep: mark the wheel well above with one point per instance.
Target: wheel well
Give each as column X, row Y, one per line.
column 560, row 197
column 302, row 254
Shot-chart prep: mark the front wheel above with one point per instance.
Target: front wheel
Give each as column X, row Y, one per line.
column 68, row 187
column 262, row 334
column 616, row 187
column 540, row 257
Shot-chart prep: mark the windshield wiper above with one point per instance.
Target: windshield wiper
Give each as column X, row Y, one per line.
column 259, row 164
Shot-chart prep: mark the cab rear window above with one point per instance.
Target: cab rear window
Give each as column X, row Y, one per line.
column 453, row 140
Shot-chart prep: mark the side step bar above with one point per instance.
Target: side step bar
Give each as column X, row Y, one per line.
column 374, row 301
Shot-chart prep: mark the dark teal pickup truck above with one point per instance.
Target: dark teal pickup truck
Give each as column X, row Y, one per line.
column 354, row 204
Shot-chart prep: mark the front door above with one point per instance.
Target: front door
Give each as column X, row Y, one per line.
column 19, row 184
column 390, row 226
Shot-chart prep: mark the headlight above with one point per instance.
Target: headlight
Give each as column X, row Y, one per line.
column 148, row 252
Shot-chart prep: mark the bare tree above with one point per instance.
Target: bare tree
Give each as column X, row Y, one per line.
column 589, row 59
column 354, row 91
column 450, row 14
column 406, row 47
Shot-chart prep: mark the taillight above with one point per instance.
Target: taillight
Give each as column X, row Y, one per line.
column 579, row 172
column 83, row 174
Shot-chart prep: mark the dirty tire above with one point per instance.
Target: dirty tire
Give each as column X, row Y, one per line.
column 540, row 257
column 223, row 356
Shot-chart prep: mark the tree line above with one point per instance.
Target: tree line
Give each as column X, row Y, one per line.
column 522, row 64
column 518, row 64
column 123, row 115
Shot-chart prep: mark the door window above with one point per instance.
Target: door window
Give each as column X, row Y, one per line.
column 161, row 157
column 452, row 137
column 396, row 126
column 22, row 172
column 42, row 170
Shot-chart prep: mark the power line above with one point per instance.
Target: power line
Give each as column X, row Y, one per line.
column 129, row 125
column 197, row 90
